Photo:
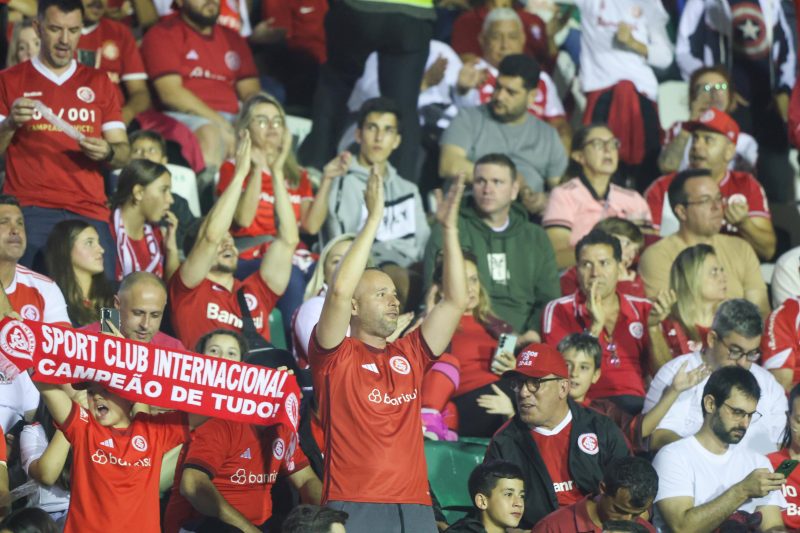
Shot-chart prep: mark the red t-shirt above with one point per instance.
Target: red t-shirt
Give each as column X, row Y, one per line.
column 370, row 406
column 159, row 339
column 210, row 66
column 576, row 518
column 467, row 28
column 624, row 351
column 210, row 306
column 780, row 344
column 474, row 348
column 111, row 47
column 678, row 340
column 736, row 186
column 569, row 283
column 264, row 222
column 791, row 514
column 243, row 461
column 115, row 472
column 304, row 22
column 44, row 167
column 553, row 446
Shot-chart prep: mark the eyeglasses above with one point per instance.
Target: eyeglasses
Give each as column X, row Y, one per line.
column 706, row 201
column 532, row 384
column 711, row 87
column 600, row 144
column 735, row 353
column 741, row 414
column 266, row 122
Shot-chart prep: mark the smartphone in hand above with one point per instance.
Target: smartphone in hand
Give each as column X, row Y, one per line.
column 786, row 467
column 109, row 315
column 505, row 343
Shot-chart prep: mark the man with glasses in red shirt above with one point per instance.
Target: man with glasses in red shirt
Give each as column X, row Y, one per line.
column 561, row 447
column 734, row 340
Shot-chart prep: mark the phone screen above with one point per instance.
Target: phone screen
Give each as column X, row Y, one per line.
column 108, row 314
column 786, row 467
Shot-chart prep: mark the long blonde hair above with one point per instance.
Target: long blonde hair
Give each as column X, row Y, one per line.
column 291, row 169
column 318, row 277
column 685, row 278
column 482, row 311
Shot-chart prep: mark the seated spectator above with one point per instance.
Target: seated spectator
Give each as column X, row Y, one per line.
column 307, row 315
column 497, row 490
column 790, row 449
column 468, row 369
column 33, row 296
column 150, row 145
column 631, row 241
column 745, row 207
column 699, row 285
column 580, row 203
column 314, row 519
column 24, row 43
column 709, row 88
column 144, row 229
column 697, row 202
column 74, row 258
column 205, row 280
column 27, row 520
column 702, row 479
column 110, row 46
column 619, row 321
column 626, row 492
column 515, row 259
column 467, row 38
column 762, row 65
column 348, row 369
column 621, row 43
column 734, row 340
column 207, row 492
column 561, row 447
column 200, row 71
column 401, row 238
column 53, row 176
column 141, row 300
column 502, row 35
column 780, row 345
column 786, row 277
column 505, row 126
column 46, row 458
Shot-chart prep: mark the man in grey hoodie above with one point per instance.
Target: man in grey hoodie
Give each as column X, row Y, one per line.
column 404, row 231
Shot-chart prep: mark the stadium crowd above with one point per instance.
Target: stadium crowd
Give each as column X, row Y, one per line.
column 523, row 282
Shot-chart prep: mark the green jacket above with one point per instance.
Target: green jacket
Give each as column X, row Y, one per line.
column 517, row 266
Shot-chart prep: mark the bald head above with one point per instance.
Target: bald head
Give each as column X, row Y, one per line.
column 375, row 304
column 141, row 300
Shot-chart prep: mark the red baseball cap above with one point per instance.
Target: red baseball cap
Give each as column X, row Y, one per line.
column 718, row 121
column 539, row 360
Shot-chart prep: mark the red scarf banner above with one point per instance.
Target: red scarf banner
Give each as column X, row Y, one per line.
column 153, row 375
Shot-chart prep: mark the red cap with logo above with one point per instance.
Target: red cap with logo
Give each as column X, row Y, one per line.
column 718, row 121
column 538, row 361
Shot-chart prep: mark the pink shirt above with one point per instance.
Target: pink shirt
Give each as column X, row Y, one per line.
column 574, row 205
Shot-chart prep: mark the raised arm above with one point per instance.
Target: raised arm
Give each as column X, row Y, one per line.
column 441, row 322
column 335, row 317
column 276, row 265
column 314, row 217
column 217, row 223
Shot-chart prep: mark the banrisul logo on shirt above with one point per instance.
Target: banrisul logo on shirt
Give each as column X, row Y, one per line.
column 376, row 396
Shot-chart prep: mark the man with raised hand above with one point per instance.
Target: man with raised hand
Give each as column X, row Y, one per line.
column 369, row 389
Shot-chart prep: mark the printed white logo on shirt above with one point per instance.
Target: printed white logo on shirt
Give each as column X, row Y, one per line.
column 636, row 330
column 400, row 364
column 399, row 219
column 31, row 312
column 246, row 454
column 372, row 367
column 86, row 94
column 498, row 268
column 139, row 443
column 588, row 443
column 278, row 448
column 108, row 443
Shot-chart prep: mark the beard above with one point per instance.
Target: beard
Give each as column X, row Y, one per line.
column 223, row 268
column 728, row 436
column 202, row 21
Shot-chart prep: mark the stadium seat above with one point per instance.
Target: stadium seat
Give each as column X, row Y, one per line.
column 449, row 467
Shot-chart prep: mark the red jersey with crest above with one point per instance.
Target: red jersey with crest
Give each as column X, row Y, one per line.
column 790, row 490
column 211, row 306
column 371, row 411
column 735, row 186
column 115, row 472
column 243, row 461
column 45, row 167
column 37, row 297
column 209, row 65
column 780, row 344
column 110, row 46
column 624, row 350
column 553, row 445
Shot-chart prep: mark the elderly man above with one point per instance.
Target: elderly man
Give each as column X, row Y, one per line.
column 562, row 447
